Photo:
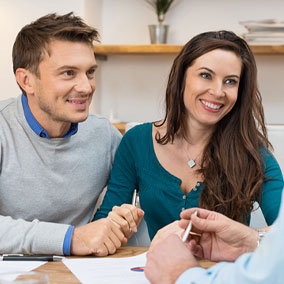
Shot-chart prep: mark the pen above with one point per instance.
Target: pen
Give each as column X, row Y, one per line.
column 188, row 229
column 134, row 196
column 22, row 257
column 133, row 202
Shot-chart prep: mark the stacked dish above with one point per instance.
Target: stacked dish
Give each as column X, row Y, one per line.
column 264, row 32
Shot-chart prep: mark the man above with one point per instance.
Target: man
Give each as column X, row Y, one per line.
column 172, row 261
column 52, row 169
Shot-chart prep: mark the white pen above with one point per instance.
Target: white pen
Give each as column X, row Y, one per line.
column 134, row 196
column 188, row 229
column 133, row 202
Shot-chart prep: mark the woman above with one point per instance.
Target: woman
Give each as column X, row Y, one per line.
column 210, row 150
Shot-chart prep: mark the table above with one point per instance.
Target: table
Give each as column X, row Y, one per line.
column 59, row 273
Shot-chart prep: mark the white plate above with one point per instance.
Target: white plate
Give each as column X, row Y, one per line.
column 264, row 26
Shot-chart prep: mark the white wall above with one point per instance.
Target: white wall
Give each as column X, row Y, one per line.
column 14, row 14
column 133, row 87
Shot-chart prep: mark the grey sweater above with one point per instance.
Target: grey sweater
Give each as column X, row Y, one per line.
column 48, row 184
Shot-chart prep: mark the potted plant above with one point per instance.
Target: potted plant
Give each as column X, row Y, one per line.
column 158, row 33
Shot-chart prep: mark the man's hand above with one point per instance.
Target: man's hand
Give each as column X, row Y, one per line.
column 127, row 217
column 100, row 238
column 167, row 260
column 172, row 228
column 222, row 239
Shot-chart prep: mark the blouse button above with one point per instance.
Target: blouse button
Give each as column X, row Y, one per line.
column 198, row 184
column 182, row 208
column 194, row 189
column 184, row 197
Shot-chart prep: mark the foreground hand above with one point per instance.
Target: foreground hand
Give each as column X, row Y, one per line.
column 167, row 260
column 172, row 228
column 100, row 238
column 127, row 217
column 222, row 239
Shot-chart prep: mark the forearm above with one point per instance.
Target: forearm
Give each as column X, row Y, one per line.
column 20, row 236
column 123, row 179
column 113, row 197
column 248, row 269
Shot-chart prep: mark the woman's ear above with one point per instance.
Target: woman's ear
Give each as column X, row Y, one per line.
column 25, row 79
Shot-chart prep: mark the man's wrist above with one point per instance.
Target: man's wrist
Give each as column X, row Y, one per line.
column 250, row 240
column 67, row 241
column 261, row 235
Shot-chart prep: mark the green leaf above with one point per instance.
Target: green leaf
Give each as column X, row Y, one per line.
column 161, row 7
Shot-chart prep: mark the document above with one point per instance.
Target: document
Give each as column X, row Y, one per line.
column 122, row 270
column 23, row 266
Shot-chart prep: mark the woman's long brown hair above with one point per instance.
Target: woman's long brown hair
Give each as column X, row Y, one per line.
column 231, row 166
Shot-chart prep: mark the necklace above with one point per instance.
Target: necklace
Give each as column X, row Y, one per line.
column 191, row 162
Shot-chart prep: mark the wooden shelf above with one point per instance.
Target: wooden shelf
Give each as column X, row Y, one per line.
column 267, row 49
column 138, row 49
column 104, row 50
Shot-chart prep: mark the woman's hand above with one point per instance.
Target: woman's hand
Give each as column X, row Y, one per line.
column 127, row 217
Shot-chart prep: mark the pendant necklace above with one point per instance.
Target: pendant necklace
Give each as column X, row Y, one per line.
column 191, row 162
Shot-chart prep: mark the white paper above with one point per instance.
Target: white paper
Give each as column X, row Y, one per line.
column 108, row 270
column 19, row 266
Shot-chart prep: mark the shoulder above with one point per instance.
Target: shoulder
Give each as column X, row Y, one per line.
column 99, row 127
column 135, row 144
column 139, row 131
column 267, row 155
column 96, row 120
column 7, row 104
column 270, row 164
column 9, row 112
column 138, row 137
column 95, row 123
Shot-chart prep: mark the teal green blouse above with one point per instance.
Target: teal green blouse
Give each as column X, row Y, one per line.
column 160, row 195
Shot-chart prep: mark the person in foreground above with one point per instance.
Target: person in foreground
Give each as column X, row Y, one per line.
column 222, row 239
column 55, row 158
column 210, row 150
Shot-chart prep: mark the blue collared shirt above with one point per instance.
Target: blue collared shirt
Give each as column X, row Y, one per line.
column 37, row 128
column 264, row 266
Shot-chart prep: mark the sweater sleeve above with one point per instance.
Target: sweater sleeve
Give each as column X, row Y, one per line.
column 123, row 178
column 20, row 236
column 272, row 188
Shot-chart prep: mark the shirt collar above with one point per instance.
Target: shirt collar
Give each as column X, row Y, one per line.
column 36, row 127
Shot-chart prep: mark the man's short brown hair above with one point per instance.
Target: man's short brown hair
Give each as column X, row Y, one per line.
column 33, row 39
